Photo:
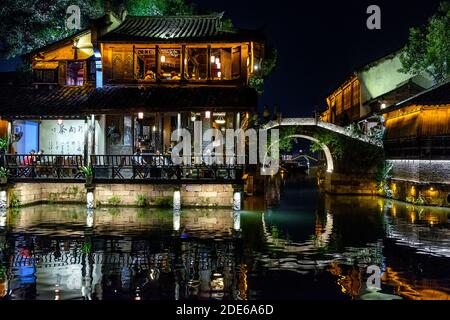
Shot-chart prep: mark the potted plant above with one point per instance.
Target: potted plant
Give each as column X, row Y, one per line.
column 88, row 173
column 3, row 175
column 4, row 143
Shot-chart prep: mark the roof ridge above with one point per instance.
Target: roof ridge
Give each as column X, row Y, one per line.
column 214, row 15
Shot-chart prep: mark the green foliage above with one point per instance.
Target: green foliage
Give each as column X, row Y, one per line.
column 4, row 143
column 382, row 175
column 2, row 273
column 114, row 201
column 428, row 47
column 86, row 248
column 333, row 141
column 384, row 171
column 87, row 171
column 158, row 7
column 286, row 141
column 34, row 24
column 14, row 200
column 267, row 66
column 29, row 25
column 3, row 172
column 352, row 155
column 164, row 202
column 141, row 200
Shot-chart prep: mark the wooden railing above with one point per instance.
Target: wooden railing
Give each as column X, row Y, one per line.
column 25, row 166
column 158, row 168
column 162, row 168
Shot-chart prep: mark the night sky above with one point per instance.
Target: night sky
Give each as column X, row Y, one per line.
column 319, row 42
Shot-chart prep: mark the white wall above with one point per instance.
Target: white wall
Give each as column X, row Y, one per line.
column 385, row 77
column 65, row 139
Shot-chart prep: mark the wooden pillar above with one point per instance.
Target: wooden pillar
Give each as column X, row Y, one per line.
column 86, row 142
column 92, row 133
column 183, row 64
column 161, row 131
column 158, row 61
column 208, row 63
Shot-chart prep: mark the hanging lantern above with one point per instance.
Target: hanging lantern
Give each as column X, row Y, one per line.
column 140, row 115
column 220, row 119
column 163, row 59
column 213, row 58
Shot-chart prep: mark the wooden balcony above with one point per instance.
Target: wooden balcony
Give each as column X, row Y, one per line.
column 147, row 168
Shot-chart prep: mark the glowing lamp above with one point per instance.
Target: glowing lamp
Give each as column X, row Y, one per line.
column 208, row 114
column 163, row 59
column 140, row 115
column 60, row 121
column 213, row 59
column 217, row 61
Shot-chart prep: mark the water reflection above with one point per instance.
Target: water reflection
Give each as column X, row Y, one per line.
column 307, row 246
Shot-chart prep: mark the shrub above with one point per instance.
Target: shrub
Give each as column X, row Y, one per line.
column 15, row 202
column 114, row 201
column 141, row 200
column 165, row 202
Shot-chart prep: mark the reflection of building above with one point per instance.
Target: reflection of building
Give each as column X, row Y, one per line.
column 104, row 262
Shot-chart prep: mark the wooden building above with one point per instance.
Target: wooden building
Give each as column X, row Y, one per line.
column 128, row 82
column 417, row 143
column 419, row 127
column 371, row 88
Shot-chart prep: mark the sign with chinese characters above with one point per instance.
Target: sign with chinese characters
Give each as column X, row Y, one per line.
column 63, row 137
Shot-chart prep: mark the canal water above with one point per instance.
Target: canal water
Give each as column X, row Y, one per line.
column 307, row 246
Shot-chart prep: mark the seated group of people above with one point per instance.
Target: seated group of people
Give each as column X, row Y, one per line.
column 150, row 75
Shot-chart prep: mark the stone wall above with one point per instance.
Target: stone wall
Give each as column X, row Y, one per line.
column 31, row 193
column 421, row 181
column 205, row 195
column 425, row 171
column 337, row 183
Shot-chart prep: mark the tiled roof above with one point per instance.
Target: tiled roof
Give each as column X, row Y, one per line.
column 78, row 101
column 173, row 29
column 27, row 101
column 437, row 95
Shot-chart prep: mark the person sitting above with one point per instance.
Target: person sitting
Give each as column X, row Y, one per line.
column 30, row 159
column 174, row 76
column 138, row 160
column 149, row 75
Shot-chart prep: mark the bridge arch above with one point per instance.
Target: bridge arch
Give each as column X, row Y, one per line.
column 326, row 150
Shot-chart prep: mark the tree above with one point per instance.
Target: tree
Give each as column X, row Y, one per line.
column 158, row 7
column 428, row 48
column 267, row 66
column 32, row 24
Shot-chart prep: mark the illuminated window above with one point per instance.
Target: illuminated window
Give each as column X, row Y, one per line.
column 196, row 64
column 146, row 64
column 170, row 60
column 221, row 66
column 75, row 73
column 44, row 76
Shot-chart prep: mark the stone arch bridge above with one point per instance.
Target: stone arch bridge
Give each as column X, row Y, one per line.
column 353, row 171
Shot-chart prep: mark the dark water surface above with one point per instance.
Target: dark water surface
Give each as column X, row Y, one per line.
column 311, row 246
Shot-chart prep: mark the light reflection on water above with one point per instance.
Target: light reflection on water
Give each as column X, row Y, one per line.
column 310, row 246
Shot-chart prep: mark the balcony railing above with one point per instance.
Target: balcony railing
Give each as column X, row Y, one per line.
column 120, row 168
